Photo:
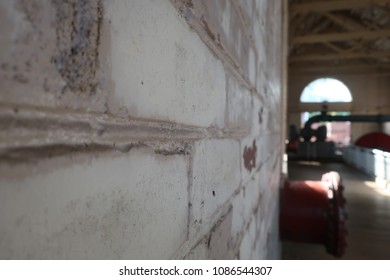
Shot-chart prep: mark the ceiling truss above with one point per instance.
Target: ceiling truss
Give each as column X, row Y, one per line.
column 327, row 35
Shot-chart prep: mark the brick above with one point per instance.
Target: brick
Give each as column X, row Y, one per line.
column 252, row 156
column 272, row 146
column 246, row 202
column 226, row 29
column 264, row 119
column 252, row 193
column 261, row 231
column 220, row 239
column 267, row 217
column 128, row 206
column 239, row 106
column 200, row 252
column 247, row 243
column 25, row 53
column 252, row 67
column 259, row 109
column 239, row 216
column 41, row 56
column 273, row 245
column 216, row 175
column 245, row 247
column 160, row 69
column 260, row 250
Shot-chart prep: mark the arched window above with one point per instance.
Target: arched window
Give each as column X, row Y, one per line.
column 326, row 90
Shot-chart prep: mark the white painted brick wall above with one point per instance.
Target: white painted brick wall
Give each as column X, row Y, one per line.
column 144, row 153
column 220, row 239
column 248, row 241
column 239, row 217
column 215, row 178
column 199, row 252
column 123, row 206
column 161, row 69
column 239, row 106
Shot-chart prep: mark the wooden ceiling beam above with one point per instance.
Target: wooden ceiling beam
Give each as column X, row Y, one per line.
column 296, row 22
column 339, row 56
column 333, row 73
column 344, row 67
column 334, row 47
column 346, row 23
column 343, row 21
column 326, row 6
column 339, row 37
column 347, row 66
column 320, row 26
column 377, row 69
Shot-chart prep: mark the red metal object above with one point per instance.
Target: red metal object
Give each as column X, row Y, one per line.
column 374, row 140
column 314, row 212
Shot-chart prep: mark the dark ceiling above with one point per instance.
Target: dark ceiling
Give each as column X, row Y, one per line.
column 339, row 37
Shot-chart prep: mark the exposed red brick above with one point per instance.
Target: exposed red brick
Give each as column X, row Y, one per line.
column 250, row 156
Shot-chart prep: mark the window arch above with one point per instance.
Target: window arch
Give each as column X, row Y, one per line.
column 326, row 90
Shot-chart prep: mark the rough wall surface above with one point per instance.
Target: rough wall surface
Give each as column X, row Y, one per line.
column 140, row 129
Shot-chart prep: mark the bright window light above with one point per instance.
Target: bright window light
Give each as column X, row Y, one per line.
column 326, row 90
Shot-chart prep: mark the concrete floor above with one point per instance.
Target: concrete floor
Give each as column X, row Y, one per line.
column 368, row 209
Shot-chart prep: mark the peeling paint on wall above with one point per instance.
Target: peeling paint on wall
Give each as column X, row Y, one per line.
column 78, row 24
column 250, row 156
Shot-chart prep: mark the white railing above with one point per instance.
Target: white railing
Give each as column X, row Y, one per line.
column 373, row 162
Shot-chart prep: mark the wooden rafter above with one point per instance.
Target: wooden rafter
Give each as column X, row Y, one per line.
column 333, row 72
column 325, row 6
column 339, row 37
column 357, row 46
column 343, row 21
column 320, row 26
column 334, row 47
column 347, row 23
column 342, row 67
column 385, row 13
column 340, row 56
column 327, row 71
column 296, row 22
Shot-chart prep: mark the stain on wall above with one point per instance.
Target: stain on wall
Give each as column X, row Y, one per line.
column 250, row 156
column 78, row 24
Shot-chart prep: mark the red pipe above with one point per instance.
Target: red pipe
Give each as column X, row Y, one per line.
column 313, row 212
